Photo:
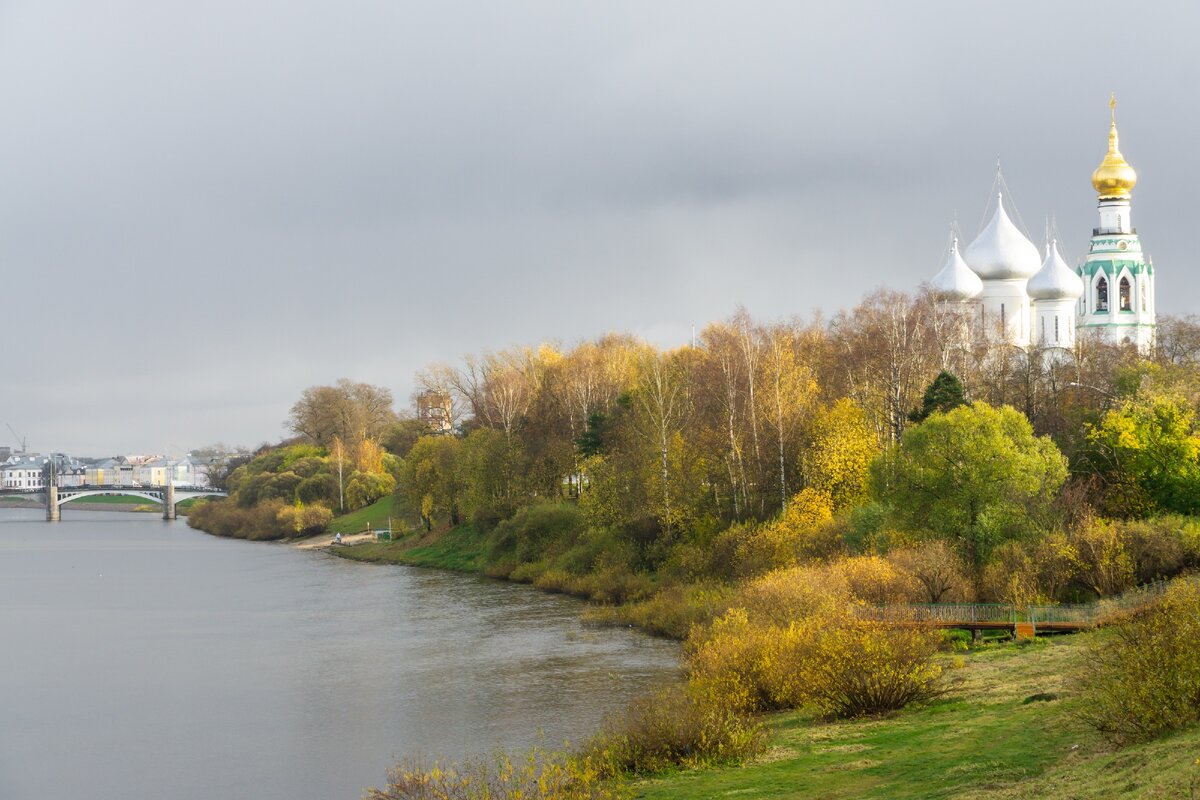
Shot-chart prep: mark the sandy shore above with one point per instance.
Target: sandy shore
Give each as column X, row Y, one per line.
column 325, row 540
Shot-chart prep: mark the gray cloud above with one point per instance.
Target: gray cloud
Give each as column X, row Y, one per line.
column 205, row 208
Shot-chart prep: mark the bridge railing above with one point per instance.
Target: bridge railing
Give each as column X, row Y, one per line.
column 1065, row 616
column 1075, row 616
column 943, row 613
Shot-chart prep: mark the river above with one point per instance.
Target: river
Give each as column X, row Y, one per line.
column 140, row 658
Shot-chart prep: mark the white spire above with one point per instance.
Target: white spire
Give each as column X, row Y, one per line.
column 956, row 281
column 1055, row 280
column 1001, row 251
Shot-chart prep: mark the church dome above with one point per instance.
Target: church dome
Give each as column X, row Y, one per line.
column 1114, row 177
column 955, row 280
column 1001, row 251
column 1055, row 280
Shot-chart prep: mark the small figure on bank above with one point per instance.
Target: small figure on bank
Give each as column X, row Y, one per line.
column 337, row 539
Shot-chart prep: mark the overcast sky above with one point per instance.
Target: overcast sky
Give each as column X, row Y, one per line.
column 206, row 207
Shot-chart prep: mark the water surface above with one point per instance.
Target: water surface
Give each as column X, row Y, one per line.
column 139, row 658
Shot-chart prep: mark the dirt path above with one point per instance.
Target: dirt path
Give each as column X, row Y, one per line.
column 324, row 540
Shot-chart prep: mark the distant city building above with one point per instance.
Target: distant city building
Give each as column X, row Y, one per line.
column 32, row 471
column 143, row 470
column 435, row 410
column 1002, row 283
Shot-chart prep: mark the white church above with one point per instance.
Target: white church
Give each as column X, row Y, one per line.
column 1007, row 285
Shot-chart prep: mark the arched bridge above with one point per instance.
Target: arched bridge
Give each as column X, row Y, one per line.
column 166, row 496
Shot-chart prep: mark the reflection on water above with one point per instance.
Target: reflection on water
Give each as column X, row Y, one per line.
column 140, row 658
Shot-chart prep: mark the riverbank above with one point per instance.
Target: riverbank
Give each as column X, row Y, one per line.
column 80, row 505
column 459, row 549
column 1005, row 731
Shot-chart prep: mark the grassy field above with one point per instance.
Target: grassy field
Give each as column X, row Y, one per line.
column 375, row 515
column 117, row 500
column 459, row 549
column 1004, row 732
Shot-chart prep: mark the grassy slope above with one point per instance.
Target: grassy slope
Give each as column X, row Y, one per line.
column 981, row 742
column 457, row 549
column 376, row 515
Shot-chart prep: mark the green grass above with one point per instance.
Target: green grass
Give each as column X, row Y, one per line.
column 117, row 500
column 376, row 515
column 459, row 549
column 982, row 741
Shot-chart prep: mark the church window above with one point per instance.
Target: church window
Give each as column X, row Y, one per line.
column 1142, row 292
column 1102, row 294
column 1043, row 329
column 1002, row 316
column 1124, row 288
column 1056, row 328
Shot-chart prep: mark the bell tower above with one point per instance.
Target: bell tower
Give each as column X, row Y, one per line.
column 1118, row 279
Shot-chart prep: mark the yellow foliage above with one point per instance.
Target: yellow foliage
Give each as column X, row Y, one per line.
column 368, row 456
column 304, row 520
column 832, row 660
column 797, row 535
column 874, row 580
column 540, row 775
column 840, row 453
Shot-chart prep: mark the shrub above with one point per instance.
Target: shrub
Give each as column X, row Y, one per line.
column 674, row 727
column 1143, row 679
column 540, row 775
column 799, row 534
column 365, row 488
column 1155, row 546
column 1011, row 576
column 837, row 663
column 224, row 518
column 536, row 531
column 784, row 595
column 672, row 611
column 874, row 580
column 938, row 574
column 863, row 667
column 304, row 520
column 1105, row 565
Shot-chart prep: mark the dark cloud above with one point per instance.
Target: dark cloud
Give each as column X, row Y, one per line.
column 205, row 208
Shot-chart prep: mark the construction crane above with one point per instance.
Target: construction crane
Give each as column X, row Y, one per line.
column 21, row 440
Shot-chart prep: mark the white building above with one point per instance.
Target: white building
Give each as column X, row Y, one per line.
column 31, row 471
column 1002, row 282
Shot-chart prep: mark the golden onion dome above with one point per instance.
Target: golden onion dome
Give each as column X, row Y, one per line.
column 1114, row 177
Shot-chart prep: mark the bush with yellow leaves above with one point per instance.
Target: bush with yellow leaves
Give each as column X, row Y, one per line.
column 678, row 726
column 801, row 533
column 794, row 639
column 1143, row 678
column 540, row 775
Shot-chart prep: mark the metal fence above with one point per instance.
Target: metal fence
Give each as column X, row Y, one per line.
column 1060, row 617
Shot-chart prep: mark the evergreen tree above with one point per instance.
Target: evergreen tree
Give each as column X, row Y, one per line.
column 946, row 392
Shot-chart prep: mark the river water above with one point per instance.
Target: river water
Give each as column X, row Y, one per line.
column 140, row 658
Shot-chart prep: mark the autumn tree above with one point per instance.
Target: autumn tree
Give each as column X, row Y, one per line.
column 432, row 480
column 1147, row 447
column 790, row 389
column 838, row 457
column 887, row 354
column 662, row 403
column 349, row 411
column 975, row 476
